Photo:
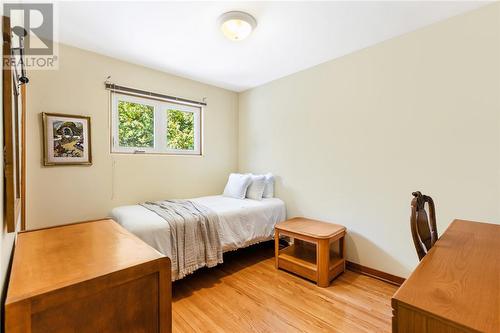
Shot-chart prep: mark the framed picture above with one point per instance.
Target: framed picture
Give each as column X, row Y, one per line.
column 66, row 139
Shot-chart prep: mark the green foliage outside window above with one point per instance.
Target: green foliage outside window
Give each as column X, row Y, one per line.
column 180, row 130
column 136, row 127
column 136, row 124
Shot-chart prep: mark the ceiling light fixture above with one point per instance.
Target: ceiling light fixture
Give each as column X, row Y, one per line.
column 237, row 25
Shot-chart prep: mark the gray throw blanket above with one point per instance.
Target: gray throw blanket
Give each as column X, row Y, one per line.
column 194, row 235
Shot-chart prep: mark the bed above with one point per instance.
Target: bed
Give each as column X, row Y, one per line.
column 242, row 222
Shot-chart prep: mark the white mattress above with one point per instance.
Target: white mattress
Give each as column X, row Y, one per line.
column 242, row 222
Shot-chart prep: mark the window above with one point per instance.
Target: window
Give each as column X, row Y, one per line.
column 142, row 125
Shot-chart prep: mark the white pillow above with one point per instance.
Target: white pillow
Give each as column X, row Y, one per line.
column 269, row 189
column 237, row 185
column 256, row 188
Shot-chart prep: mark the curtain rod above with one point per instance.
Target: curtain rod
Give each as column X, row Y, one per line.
column 117, row 88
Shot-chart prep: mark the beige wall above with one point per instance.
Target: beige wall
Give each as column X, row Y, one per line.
column 351, row 139
column 57, row 195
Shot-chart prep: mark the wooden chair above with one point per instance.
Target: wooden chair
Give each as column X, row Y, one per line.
column 423, row 228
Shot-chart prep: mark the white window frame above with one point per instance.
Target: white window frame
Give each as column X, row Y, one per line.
column 160, row 108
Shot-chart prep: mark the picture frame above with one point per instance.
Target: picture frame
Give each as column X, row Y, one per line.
column 66, row 139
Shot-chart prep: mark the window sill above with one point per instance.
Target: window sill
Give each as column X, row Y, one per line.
column 156, row 154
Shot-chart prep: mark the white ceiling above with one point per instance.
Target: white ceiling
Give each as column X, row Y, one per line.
column 183, row 38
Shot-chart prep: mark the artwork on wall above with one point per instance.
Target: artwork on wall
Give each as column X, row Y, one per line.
column 66, row 139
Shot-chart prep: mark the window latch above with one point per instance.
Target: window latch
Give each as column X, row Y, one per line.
column 139, row 151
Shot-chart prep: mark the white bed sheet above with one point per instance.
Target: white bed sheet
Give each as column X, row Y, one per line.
column 242, row 222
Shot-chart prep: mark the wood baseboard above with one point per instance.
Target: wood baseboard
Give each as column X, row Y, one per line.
column 386, row 277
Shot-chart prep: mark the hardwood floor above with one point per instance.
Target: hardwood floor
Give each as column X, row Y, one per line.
column 247, row 294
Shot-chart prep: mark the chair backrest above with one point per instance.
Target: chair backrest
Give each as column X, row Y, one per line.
column 423, row 226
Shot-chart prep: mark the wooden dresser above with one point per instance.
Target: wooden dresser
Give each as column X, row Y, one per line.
column 455, row 288
column 87, row 277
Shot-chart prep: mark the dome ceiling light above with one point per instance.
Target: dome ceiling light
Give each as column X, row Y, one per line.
column 237, row 25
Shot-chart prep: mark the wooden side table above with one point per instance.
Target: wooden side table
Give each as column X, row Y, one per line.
column 311, row 255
